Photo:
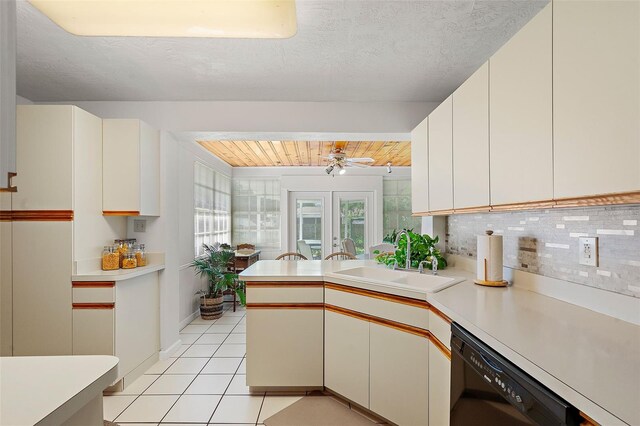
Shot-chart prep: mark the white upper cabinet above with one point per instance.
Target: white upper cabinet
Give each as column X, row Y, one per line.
column 131, row 168
column 520, row 81
column 441, row 157
column 471, row 141
column 596, row 97
column 420, row 169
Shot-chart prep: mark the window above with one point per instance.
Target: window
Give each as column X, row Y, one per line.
column 256, row 212
column 212, row 207
column 397, row 206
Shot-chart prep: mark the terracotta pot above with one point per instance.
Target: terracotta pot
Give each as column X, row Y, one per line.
column 211, row 307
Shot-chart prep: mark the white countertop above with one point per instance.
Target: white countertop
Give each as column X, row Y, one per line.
column 118, row 274
column 50, row 389
column 590, row 359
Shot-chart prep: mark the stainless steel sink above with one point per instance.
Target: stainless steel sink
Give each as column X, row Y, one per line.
column 401, row 279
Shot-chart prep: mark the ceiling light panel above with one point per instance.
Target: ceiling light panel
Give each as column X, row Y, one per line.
column 173, row 18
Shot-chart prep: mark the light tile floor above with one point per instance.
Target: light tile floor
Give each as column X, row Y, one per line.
column 203, row 383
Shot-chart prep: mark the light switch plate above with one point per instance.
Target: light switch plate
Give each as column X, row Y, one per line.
column 588, row 251
column 139, row 225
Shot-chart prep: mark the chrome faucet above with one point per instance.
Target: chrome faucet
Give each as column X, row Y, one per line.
column 434, row 262
column 421, row 266
column 400, row 234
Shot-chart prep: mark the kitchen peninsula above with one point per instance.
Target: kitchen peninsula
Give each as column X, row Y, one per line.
column 343, row 326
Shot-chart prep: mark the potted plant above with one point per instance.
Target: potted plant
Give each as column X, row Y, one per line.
column 422, row 247
column 214, row 266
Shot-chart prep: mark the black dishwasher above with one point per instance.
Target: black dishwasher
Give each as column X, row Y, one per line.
column 486, row 389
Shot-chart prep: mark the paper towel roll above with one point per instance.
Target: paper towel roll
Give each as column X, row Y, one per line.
column 489, row 268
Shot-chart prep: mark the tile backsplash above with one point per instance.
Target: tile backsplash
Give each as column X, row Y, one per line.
column 545, row 242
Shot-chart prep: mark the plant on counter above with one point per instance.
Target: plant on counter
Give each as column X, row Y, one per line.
column 214, row 266
column 421, row 248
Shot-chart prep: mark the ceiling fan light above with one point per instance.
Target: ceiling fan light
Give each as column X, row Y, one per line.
column 173, row 18
column 342, row 171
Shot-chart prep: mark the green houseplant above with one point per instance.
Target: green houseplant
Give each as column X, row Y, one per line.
column 422, row 247
column 213, row 265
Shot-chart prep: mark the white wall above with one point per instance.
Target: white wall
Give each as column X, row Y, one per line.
column 265, row 117
column 172, row 233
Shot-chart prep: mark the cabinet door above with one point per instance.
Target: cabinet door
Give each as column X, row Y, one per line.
column 42, row 323
column 346, row 357
column 44, row 158
column 471, row 141
column 420, row 169
column 439, row 387
column 441, row 157
column 521, row 117
column 399, row 361
column 93, row 332
column 284, row 347
column 596, row 97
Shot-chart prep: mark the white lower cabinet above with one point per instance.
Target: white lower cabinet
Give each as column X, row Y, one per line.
column 346, row 357
column 399, row 375
column 439, row 387
column 292, row 356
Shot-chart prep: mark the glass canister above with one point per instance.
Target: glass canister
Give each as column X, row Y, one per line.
column 141, row 255
column 129, row 261
column 122, row 249
column 110, row 259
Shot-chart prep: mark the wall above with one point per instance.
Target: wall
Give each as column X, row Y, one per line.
column 172, row 233
column 264, row 117
column 545, row 242
column 7, row 89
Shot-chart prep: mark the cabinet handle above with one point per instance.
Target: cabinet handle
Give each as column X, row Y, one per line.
column 10, row 187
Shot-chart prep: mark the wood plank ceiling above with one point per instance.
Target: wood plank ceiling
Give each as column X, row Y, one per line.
column 305, row 153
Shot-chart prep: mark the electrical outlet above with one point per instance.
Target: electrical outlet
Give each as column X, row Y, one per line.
column 588, row 251
column 139, row 225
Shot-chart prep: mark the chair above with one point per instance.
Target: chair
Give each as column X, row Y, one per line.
column 304, row 249
column 382, row 248
column 349, row 246
column 341, row 255
column 291, row 256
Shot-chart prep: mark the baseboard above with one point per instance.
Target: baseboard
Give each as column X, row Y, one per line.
column 185, row 322
column 170, row 350
column 623, row 307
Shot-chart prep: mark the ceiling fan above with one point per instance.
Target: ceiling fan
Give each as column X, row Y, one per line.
column 338, row 159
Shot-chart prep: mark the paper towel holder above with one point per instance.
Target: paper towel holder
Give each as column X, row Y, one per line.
column 485, row 281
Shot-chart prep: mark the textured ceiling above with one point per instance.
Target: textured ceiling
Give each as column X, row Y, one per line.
column 345, row 50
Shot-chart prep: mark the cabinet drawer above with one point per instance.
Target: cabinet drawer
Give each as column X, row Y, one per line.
column 93, row 295
column 395, row 308
column 310, row 293
column 440, row 328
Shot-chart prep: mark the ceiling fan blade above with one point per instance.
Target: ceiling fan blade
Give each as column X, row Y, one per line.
column 359, row 165
column 361, row 160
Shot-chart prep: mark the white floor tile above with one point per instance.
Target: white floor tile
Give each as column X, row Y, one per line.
column 150, row 408
column 238, row 409
column 189, row 338
column 200, row 351
column 211, row 339
column 193, row 409
column 237, row 313
column 114, row 405
column 243, row 367
column 197, row 328
column 273, row 404
column 170, row 384
column 240, row 328
column 230, row 351
column 234, row 338
column 187, row 366
column 138, row 386
column 222, row 366
column 220, row 329
column 160, row 366
column 209, row 384
column 180, row 351
column 202, row 321
column 228, row 320
column 238, row 386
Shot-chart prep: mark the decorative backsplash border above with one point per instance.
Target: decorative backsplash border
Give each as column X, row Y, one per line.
column 545, row 242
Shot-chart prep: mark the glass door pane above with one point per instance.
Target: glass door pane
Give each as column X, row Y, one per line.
column 353, row 220
column 309, row 228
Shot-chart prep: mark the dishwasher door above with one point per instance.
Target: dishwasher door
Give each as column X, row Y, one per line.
column 486, row 389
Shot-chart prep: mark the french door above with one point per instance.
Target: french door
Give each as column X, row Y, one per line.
column 320, row 221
